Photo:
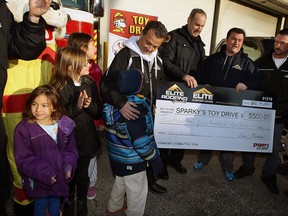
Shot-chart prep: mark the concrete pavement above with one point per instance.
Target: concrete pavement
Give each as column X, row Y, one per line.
column 203, row 192
column 200, row 193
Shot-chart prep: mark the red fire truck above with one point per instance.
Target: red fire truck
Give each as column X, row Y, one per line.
column 84, row 16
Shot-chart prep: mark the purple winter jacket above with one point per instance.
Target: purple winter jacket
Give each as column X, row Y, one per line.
column 38, row 157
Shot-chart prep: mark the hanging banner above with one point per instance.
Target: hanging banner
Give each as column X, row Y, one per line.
column 213, row 118
column 123, row 25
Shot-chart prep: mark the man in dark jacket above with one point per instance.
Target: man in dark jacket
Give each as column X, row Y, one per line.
column 274, row 67
column 232, row 68
column 182, row 53
column 25, row 40
column 140, row 52
column 131, row 145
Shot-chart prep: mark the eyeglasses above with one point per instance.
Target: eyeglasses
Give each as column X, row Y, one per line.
column 280, row 43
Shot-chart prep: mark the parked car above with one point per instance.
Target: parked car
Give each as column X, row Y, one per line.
column 255, row 47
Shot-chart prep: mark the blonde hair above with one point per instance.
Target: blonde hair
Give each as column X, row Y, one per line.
column 69, row 63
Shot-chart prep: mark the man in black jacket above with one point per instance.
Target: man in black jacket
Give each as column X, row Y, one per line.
column 140, row 52
column 182, row 53
column 274, row 66
column 231, row 68
column 25, row 40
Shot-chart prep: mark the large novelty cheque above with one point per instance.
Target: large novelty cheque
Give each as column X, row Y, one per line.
column 214, row 118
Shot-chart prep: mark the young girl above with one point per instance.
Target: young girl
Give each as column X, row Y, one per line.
column 85, row 42
column 45, row 150
column 79, row 94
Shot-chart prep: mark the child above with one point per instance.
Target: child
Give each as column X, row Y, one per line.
column 130, row 145
column 85, row 42
column 79, row 94
column 45, row 150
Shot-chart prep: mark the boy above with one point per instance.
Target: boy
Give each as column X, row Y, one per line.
column 130, row 145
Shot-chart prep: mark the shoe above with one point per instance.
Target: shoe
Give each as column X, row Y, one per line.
column 179, row 168
column 270, row 182
column 47, row 213
column 91, row 193
column 242, row 172
column 229, row 176
column 164, row 175
column 157, row 189
column 108, row 213
column 68, row 208
column 283, row 169
column 198, row 165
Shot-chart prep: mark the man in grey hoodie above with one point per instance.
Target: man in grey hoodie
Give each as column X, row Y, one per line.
column 140, row 52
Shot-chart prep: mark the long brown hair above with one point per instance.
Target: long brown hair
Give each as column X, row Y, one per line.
column 79, row 40
column 51, row 93
column 69, row 63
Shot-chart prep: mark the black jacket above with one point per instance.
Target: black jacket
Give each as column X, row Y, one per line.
column 275, row 81
column 88, row 140
column 182, row 54
column 25, row 40
column 227, row 71
column 124, row 57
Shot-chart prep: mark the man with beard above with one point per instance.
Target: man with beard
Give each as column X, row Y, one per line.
column 274, row 67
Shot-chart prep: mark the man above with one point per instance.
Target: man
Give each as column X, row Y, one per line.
column 25, row 40
column 131, row 143
column 182, row 54
column 140, row 52
column 232, row 68
column 274, row 67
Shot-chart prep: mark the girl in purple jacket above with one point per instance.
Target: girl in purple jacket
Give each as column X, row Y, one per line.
column 45, row 150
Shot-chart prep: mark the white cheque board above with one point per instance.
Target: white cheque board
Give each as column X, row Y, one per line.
column 221, row 120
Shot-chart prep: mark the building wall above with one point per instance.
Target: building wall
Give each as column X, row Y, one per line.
column 173, row 14
column 253, row 22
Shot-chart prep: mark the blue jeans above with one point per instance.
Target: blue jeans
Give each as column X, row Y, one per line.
column 42, row 204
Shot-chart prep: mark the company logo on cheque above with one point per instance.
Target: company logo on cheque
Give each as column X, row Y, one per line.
column 260, row 146
column 175, row 93
column 203, row 95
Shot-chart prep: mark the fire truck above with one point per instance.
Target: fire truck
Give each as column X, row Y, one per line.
column 83, row 16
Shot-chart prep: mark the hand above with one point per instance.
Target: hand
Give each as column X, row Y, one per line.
column 241, row 87
column 80, row 101
column 129, row 112
column 190, row 81
column 101, row 128
column 87, row 100
column 284, row 137
column 53, row 179
column 83, row 100
column 157, row 166
column 37, row 8
column 68, row 175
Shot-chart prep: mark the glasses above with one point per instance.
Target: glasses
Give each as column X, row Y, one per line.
column 280, row 43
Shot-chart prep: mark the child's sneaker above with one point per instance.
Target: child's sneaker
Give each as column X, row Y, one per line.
column 91, row 193
column 229, row 176
column 198, row 165
column 119, row 212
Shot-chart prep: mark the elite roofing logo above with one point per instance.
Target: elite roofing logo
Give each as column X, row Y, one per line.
column 203, row 95
column 174, row 93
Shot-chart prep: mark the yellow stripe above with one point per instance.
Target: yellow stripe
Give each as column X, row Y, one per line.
column 24, row 76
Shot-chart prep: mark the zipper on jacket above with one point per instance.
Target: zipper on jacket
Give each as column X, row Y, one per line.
column 226, row 73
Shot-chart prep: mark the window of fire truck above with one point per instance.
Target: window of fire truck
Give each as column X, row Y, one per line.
column 77, row 4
